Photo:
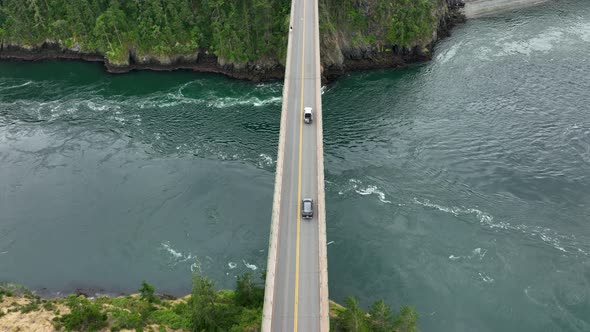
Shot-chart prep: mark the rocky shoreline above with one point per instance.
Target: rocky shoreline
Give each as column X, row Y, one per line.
column 199, row 63
column 264, row 70
column 356, row 60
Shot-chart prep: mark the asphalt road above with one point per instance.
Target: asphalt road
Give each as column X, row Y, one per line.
column 296, row 305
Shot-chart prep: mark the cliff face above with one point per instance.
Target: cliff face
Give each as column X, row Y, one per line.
column 241, row 38
column 362, row 34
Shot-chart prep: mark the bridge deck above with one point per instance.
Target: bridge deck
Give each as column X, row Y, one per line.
column 296, row 296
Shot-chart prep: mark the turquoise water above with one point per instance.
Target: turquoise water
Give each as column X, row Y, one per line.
column 460, row 186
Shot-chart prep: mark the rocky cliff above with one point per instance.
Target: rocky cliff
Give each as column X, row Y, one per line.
column 244, row 39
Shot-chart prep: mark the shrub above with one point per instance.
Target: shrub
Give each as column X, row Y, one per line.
column 248, row 320
column 3, row 292
column 84, row 315
column 247, row 293
column 147, row 292
column 175, row 319
column 125, row 319
column 31, row 306
column 48, row 305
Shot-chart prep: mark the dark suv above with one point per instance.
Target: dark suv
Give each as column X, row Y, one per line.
column 307, row 208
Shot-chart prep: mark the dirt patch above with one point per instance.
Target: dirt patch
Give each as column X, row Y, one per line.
column 37, row 320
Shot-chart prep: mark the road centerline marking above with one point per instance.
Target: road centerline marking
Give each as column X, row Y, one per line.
column 296, row 309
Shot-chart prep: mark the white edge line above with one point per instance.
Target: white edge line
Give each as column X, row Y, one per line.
column 323, row 263
column 274, row 228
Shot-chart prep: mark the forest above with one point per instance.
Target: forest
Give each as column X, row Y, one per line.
column 236, row 31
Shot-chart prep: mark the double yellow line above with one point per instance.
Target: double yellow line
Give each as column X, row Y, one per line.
column 299, row 175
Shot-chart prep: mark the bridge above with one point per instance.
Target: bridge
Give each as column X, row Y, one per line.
column 296, row 296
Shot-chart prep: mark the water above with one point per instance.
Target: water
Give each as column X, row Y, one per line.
column 460, row 186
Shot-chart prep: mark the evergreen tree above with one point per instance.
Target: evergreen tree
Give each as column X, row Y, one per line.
column 202, row 305
column 380, row 317
column 353, row 319
column 407, row 320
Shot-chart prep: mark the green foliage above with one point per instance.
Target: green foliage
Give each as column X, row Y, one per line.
column 31, row 306
column 9, row 289
column 248, row 294
column 177, row 318
column 380, row 318
column 124, row 319
column 382, row 23
column 49, row 305
column 3, row 293
column 204, row 310
column 147, row 292
column 236, row 30
column 225, row 310
column 248, row 320
column 411, row 21
column 352, row 318
column 84, row 315
column 407, row 320
column 132, row 312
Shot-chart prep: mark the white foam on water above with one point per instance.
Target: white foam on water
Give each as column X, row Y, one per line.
column 232, row 265
column 273, row 100
column 171, row 251
column 3, row 88
column 448, row 55
column 265, row 160
column 61, row 110
column 184, row 86
column 119, row 119
column 99, row 107
column 486, row 278
column 476, row 253
column 483, row 53
column 370, row 190
column 543, row 43
column 250, row 266
column 483, row 217
column 526, row 292
column 177, row 256
column 177, row 98
column 479, row 253
column 362, row 190
column 486, row 220
column 231, row 102
column 582, row 30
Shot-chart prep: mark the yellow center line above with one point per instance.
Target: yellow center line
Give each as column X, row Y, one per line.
column 299, row 175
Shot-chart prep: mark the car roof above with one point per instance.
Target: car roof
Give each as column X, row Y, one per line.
column 307, row 109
